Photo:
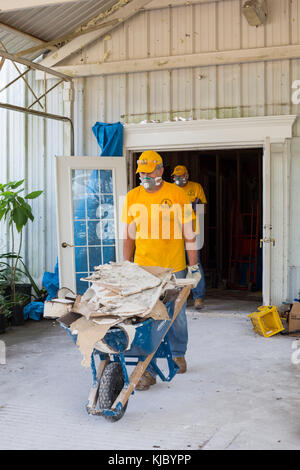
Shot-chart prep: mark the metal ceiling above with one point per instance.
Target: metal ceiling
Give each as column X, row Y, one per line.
column 47, row 23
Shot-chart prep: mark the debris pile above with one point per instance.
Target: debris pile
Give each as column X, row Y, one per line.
column 120, row 295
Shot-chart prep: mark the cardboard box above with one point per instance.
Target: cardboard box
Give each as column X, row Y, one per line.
column 294, row 319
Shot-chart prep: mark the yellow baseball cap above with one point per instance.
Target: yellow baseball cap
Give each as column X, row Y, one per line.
column 148, row 161
column 179, row 170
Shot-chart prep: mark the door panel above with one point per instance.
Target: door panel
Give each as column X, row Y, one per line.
column 88, row 194
column 275, row 222
column 280, row 164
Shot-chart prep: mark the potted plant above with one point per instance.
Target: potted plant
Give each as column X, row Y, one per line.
column 16, row 212
column 5, row 313
column 20, row 272
column 17, row 306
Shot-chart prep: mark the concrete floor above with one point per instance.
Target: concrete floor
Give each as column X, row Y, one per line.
column 241, row 391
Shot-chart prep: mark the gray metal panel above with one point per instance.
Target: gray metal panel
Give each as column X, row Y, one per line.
column 48, row 23
column 28, row 147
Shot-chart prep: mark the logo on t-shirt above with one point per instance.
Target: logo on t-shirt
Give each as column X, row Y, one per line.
column 191, row 192
column 166, row 204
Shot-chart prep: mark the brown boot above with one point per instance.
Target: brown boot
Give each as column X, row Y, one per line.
column 181, row 363
column 198, row 304
column 145, row 381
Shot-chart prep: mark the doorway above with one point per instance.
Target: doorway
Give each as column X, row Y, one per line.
column 232, row 181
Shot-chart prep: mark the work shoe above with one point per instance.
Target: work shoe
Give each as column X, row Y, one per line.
column 145, row 381
column 198, row 304
column 181, row 363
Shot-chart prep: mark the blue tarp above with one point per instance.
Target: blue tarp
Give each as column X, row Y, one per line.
column 51, row 282
column 35, row 310
column 109, row 138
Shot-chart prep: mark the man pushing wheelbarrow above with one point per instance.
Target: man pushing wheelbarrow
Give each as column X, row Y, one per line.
column 134, row 313
column 158, row 217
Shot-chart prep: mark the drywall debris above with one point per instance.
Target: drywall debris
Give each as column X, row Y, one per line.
column 120, row 295
column 123, row 278
column 55, row 308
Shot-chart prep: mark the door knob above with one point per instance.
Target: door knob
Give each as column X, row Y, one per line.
column 65, row 245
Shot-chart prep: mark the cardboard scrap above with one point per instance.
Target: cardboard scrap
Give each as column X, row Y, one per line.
column 159, row 312
column 294, row 320
column 88, row 334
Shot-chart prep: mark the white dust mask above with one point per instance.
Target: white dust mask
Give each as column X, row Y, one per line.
column 149, row 182
column 180, row 180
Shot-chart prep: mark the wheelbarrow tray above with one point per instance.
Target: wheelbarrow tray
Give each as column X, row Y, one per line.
column 147, row 338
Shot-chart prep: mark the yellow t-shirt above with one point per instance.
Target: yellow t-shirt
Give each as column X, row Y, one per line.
column 194, row 191
column 158, row 219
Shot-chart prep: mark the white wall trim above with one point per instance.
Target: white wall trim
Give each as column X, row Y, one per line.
column 211, row 133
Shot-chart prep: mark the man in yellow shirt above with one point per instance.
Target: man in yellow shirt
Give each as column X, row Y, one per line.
column 158, row 221
column 196, row 195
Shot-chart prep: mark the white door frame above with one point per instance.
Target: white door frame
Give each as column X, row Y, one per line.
column 261, row 131
column 65, row 229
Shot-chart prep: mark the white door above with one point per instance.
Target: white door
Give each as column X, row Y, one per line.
column 90, row 191
column 276, row 165
column 265, row 242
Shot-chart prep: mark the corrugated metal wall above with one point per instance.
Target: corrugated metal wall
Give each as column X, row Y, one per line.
column 28, row 145
column 262, row 88
column 228, row 91
column 238, row 90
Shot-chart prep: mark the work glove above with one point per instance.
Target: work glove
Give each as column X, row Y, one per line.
column 194, row 273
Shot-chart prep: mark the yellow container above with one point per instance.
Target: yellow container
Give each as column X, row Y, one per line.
column 266, row 322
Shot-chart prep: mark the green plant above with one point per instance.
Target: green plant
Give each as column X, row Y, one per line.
column 5, row 306
column 16, row 212
column 19, row 273
column 20, row 299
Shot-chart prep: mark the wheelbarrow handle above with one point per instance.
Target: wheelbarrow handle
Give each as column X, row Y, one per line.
column 142, row 365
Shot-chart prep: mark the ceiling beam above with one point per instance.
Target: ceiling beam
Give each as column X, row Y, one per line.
column 17, row 32
column 205, row 59
column 21, row 4
column 159, row 4
column 48, row 45
column 121, row 11
column 34, row 65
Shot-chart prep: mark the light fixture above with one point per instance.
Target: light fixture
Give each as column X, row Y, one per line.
column 255, row 12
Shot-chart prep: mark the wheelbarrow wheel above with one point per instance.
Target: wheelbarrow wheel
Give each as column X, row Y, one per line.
column 111, row 384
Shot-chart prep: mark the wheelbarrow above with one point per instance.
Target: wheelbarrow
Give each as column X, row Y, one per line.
column 112, row 386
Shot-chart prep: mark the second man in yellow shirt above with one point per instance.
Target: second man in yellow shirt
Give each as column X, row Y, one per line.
column 196, row 195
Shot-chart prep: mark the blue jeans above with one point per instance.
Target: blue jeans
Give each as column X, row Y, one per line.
column 178, row 333
column 199, row 291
